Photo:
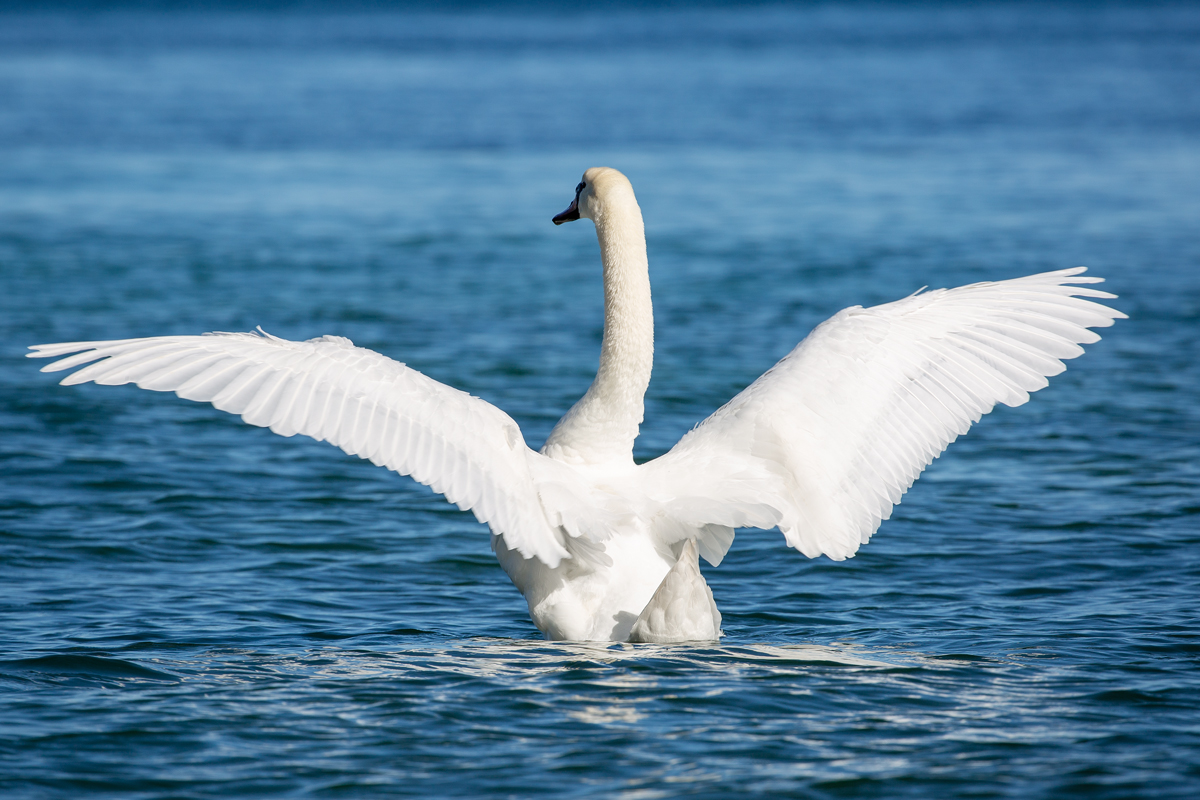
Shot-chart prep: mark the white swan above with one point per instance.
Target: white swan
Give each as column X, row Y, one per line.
column 822, row 445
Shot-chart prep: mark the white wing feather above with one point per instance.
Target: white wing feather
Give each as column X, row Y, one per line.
column 825, row 442
column 363, row 402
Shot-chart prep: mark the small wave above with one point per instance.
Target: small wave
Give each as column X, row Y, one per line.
column 85, row 666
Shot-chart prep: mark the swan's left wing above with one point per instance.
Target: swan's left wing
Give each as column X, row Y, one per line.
column 361, row 401
column 826, row 442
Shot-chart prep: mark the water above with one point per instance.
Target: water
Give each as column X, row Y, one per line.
column 192, row 608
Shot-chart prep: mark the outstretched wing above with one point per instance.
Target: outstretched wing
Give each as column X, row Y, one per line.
column 825, row 442
column 363, row 402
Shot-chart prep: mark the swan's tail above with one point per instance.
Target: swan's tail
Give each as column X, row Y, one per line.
column 682, row 609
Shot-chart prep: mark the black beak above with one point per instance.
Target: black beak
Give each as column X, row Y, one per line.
column 571, row 214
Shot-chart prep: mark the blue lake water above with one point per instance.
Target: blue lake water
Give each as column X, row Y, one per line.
column 194, row 608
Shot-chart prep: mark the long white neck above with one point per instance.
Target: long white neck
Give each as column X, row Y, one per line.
column 601, row 427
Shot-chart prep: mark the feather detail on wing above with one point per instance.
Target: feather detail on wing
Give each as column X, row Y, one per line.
column 825, row 442
column 363, row 402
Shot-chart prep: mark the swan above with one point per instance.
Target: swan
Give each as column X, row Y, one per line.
column 821, row 446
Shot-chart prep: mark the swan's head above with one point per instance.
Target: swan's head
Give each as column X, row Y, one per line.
column 601, row 187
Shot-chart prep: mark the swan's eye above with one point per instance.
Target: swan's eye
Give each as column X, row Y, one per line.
column 580, row 188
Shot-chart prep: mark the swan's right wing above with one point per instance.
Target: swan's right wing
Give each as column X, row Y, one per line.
column 826, row 442
column 361, row 401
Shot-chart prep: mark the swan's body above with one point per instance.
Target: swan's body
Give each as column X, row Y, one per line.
column 822, row 445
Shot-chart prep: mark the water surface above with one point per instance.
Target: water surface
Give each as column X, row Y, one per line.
column 190, row 607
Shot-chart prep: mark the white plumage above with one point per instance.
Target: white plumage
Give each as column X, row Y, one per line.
column 823, row 445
